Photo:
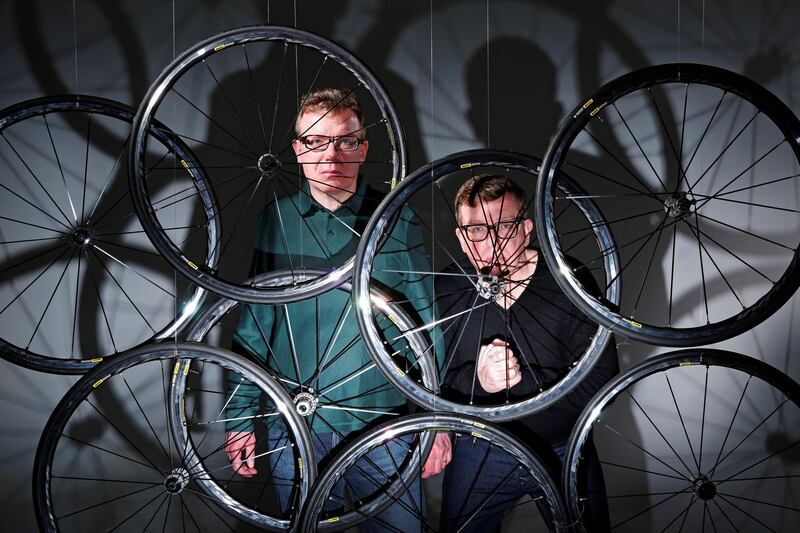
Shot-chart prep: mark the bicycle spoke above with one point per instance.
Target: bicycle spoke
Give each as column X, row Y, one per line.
column 639, row 146
column 648, row 509
column 86, row 164
column 50, row 300
column 724, row 150
column 146, row 419
column 277, row 97
column 267, row 144
column 45, row 213
column 36, row 179
column 123, row 291
column 744, row 512
column 105, row 502
column 248, row 149
column 34, row 280
column 683, row 424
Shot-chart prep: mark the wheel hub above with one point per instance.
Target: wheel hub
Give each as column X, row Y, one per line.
column 490, row 287
column 82, row 237
column 268, row 164
column 176, row 481
column 305, row 404
column 679, row 205
column 704, row 488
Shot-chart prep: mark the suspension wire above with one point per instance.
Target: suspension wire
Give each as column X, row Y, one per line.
column 302, row 171
column 75, row 42
column 433, row 198
column 703, row 33
column 174, row 211
column 678, row 45
column 488, row 106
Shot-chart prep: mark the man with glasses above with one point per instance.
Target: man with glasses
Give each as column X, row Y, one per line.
column 319, row 226
column 527, row 334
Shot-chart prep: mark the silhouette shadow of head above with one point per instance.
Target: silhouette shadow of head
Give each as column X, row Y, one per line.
column 520, row 112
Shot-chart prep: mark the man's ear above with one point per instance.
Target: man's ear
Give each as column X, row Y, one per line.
column 462, row 240
column 363, row 148
column 527, row 230
column 298, row 147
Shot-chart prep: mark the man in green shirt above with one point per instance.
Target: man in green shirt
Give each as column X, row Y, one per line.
column 315, row 344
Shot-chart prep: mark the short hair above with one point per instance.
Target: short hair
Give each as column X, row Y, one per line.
column 488, row 187
column 326, row 100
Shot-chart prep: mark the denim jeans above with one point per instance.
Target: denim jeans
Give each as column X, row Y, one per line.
column 483, row 483
column 362, row 480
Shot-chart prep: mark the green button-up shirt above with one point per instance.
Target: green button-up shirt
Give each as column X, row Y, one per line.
column 319, row 337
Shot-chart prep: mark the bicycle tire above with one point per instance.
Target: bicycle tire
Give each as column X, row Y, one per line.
column 109, row 232
column 211, row 317
column 749, row 507
column 173, row 476
column 607, row 144
column 201, row 55
column 381, row 226
column 313, row 516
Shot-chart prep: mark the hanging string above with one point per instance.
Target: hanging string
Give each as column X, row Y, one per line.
column 173, row 30
column 703, row 33
column 75, row 42
column 679, row 31
column 174, row 183
column 488, row 106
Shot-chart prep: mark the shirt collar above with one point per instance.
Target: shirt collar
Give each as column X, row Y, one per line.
column 308, row 205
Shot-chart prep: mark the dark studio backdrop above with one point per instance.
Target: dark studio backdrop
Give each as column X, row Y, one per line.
column 462, row 74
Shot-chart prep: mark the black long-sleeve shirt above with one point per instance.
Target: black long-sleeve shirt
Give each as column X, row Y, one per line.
column 546, row 332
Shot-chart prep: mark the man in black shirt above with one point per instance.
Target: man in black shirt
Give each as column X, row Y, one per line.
column 524, row 340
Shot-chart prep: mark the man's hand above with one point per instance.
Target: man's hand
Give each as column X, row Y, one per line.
column 440, row 456
column 238, row 443
column 498, row 368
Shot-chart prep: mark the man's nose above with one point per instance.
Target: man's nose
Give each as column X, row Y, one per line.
column 331, row 151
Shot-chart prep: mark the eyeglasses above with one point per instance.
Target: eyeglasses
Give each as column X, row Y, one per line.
column 319, row 143
column 505, row 229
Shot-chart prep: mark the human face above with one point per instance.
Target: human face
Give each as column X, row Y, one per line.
column 332, row 173
column 494, row 255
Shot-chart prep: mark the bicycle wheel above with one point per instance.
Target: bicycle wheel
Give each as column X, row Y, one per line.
column 108, row 459
column 312, row 388
column 695, row 440
column 464, row 300
column 80, row 278
column 325, row 504
column 703, row 206
column 234, row 99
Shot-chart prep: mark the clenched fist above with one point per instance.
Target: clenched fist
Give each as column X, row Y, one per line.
column 498, row 367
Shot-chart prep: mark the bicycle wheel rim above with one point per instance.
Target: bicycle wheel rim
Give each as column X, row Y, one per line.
column 207, row 321
column 212, row 279
column 379, row 230
column 103, row 376
column 725, row 265
column 425, row 423
column 701, row 483
column 119, row 259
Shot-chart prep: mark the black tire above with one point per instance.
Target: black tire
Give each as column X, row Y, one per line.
column 111, row 432
column 316, row 517
column 437, row 223
column 654, row 439
column 212, row 323
column 66, row 206
column 230, row 146
column 661, row 150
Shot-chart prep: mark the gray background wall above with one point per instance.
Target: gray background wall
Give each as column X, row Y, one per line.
column 544, row 56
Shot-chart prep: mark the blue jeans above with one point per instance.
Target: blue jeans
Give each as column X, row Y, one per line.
column 483, row 483
column 362, row 480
